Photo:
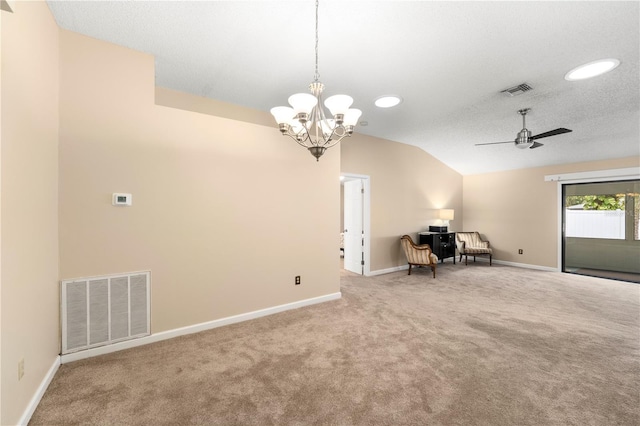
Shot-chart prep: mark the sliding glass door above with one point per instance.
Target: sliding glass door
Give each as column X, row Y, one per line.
column 601, row 227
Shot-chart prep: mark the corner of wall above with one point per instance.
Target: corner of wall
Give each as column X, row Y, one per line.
column 29, row 300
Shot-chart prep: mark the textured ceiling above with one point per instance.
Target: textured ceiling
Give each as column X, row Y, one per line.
column 448, row 60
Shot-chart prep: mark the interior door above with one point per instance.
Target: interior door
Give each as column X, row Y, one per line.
column 353, row 226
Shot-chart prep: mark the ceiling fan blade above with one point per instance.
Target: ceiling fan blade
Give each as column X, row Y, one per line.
column 492, row 143
column 551, row 133
column 536, row 145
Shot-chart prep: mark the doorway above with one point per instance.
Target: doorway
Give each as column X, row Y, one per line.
column 355, row 202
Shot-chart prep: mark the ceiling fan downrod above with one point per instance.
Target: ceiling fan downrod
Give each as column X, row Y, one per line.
column 523, row 140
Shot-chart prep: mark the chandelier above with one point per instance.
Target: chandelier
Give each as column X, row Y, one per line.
column 306, row 122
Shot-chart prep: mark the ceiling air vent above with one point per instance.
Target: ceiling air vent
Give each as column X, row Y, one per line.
column 517, row 90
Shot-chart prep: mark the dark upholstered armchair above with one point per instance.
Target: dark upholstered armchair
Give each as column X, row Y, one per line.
column 418, row 255
column 471, row 243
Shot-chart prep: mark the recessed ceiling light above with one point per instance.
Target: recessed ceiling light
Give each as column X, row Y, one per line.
column 388, row 101
column 592, row 69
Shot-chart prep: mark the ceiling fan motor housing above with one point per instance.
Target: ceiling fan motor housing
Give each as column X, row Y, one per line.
column 523, row 140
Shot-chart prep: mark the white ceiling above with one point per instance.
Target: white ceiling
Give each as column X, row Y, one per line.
column 448, row 60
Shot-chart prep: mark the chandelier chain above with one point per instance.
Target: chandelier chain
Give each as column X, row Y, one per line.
column 316, row 76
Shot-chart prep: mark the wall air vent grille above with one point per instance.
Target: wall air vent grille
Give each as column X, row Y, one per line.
column 517, row 90
column 100, row 311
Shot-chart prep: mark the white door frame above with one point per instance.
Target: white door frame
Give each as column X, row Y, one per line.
column 366, row 219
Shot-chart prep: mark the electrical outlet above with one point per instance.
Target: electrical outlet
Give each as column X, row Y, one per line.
column 20, row 369
column 520, row 251
column 297, row 279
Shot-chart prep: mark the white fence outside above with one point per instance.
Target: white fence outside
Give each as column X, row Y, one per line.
column 595, row 224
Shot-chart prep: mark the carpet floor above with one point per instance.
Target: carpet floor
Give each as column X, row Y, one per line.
column 478, row 345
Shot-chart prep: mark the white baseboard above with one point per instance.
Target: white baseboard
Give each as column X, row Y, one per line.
column 169, row 334
column 516, row 264
column 527, row 266
column 478, row 259
column 35, row 400
column 388, row 270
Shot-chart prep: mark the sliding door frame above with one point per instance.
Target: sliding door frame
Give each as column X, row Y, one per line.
column 631, row 173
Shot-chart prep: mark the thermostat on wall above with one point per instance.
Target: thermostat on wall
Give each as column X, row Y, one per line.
column 121, row 199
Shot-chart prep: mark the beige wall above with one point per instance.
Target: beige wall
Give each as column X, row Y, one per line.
column 29, row 217
column 408, row 187
column 517, row 209
column 223, row 210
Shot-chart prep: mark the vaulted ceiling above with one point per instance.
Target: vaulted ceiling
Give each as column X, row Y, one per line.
column 449, row 61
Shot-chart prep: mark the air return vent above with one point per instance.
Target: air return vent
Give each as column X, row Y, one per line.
column 100, row 311
column 517, row 90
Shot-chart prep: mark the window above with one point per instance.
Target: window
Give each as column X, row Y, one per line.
column 603, row 210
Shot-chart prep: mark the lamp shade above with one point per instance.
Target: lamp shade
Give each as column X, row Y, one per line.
column 282, row 114
column 338, row 104
column 446, row 214
column 351, row 116
column 303, row 102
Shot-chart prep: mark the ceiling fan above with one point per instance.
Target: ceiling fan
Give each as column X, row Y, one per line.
column 524, row 138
